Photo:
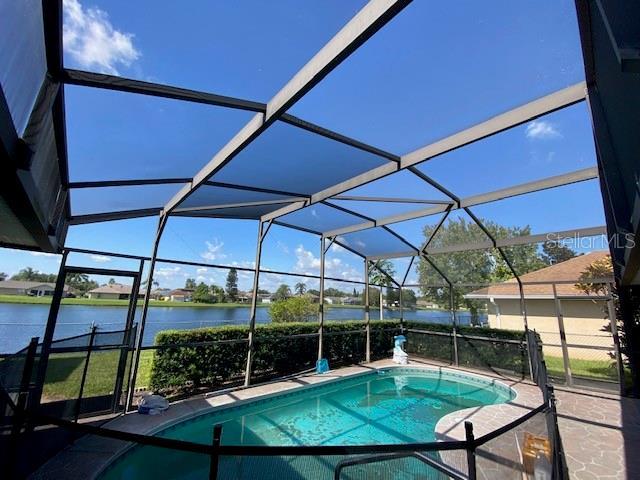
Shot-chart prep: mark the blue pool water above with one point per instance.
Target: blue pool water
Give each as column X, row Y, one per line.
column 398, row 405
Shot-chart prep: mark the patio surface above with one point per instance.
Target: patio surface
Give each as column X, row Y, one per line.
column 600, row 434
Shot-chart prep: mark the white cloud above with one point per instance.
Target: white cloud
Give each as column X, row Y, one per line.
column 169, row 272
column 42, row 254
column 244, row 264
column 306, row 261
column 92, row 42
column 337, row 248
column 541, row 130
column 282, row 246
column 357, row 243
column 309, row 264
column 202, row 270
column 100, row 258
column 214, row 250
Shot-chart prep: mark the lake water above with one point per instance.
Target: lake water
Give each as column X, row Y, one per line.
column 18, row 323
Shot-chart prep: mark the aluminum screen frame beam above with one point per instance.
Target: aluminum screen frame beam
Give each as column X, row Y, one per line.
column 126, row 183
column 502, row 242
column 110, row 216
column 162, row 223
column 512, row 118
column 357, row 198
column 371, row 18
column 509, row 265
column 259, row 203
column 555, row 181
column 522, row 240
column 121, row 84
column 254, row 302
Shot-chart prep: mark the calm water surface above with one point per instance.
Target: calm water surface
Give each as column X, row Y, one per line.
column 18, row 323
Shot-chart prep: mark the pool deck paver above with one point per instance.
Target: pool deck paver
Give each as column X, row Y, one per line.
column 600, row 434
column 583, row 430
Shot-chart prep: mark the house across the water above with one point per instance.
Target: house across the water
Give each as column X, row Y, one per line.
column 113, row 291
column 33, row 289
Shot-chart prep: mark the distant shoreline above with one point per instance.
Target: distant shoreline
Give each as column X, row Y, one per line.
column 97, row 302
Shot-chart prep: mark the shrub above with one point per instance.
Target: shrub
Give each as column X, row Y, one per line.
column 293, row 309
column 276, row 353
column 285, row 348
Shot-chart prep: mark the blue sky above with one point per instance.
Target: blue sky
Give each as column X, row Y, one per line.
column 434, row 70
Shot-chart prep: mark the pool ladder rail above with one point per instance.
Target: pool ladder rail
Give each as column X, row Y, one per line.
column 441, row 467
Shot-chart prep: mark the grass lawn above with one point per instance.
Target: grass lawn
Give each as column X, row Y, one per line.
column 98, row 302
column 596, row 369
column 64, row 374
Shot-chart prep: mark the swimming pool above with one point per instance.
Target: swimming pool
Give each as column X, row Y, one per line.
column 395, row 405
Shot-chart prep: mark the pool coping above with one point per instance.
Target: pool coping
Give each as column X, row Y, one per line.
column 89, row 456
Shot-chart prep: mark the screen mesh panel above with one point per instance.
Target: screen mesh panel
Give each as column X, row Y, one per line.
column 114, row 199
column 399, row 184
column 414, row 230
column 251, row 213
column 520, row 52
column 554, row 144
column 142, row 137
column 320, row 218
column 289, row 158
column 384, row 210
column 374, row 241
column 573, row 206
column 207, row 195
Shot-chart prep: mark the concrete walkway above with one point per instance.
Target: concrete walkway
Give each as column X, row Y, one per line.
column 600, row 434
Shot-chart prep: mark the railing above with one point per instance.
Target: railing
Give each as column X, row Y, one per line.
column 477, row 451
column 462, row 349
column 441, row 467
column 541, row 378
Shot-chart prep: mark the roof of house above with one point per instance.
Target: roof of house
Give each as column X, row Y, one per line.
column 116, row 288
column 27, row 285
column 181, row 291
column 567, row 271
column 160, row 291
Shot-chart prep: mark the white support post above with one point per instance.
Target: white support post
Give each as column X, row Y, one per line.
column 321, row 300
column 254, row 302
column 366, row 312
column 401, row 302
column 454, row 324
column 563, row 339
column 162, row 222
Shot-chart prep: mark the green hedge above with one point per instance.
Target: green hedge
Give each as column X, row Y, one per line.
column 344, row 344
column 275, row 355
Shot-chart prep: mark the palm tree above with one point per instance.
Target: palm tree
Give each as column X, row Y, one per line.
column 27, row 274
column 300, row 288
column 377, row 276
